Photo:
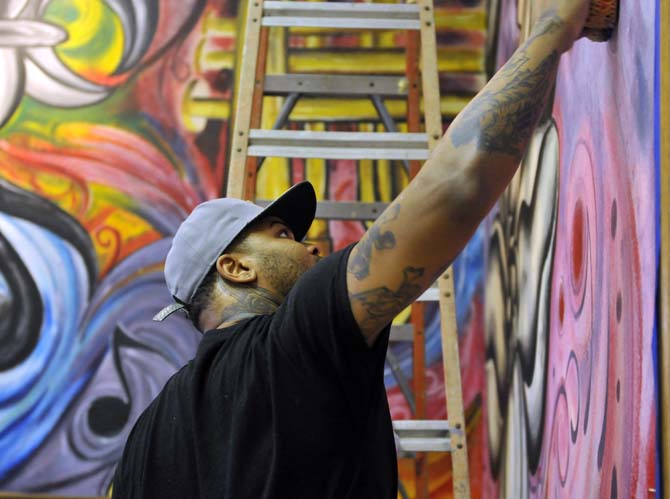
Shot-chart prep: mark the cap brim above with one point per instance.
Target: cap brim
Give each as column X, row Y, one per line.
column 168, row 311
column 296, row 207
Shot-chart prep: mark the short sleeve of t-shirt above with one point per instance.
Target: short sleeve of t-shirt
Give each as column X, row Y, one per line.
column 316, row 331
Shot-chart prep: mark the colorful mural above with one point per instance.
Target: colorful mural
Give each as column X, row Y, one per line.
column 571, row 280
column 114, row 124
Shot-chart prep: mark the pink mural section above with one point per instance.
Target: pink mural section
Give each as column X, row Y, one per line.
column 571, row 281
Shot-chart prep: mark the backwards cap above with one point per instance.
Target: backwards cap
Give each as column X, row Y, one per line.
column 213, row 225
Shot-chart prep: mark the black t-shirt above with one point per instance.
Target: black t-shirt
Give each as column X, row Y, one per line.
column 288, row 405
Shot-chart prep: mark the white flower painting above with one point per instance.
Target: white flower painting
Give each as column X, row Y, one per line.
column 29, row 64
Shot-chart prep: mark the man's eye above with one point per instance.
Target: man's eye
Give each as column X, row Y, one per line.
column 284, row 233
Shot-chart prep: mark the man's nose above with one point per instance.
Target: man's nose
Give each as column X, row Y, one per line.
column 312, row 249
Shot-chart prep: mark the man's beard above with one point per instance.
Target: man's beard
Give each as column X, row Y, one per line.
column 281, row 271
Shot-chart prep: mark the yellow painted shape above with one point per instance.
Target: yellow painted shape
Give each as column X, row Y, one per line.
column 402, row 179
column 403, row 316
column 384, row 180
column 314, row 41
column 379, row 61
column 210, row 108
column 216, row 25
column 355, row 61
column 368, row 39
column 60, row 189
column 384, row 175
column 467, row 20
column 460, row 60
column 366, row 175
column 208, row 58
column 349, row 110
column 82, row 29
column 197, row 106
column 103, row 54
column 387, row 39
column 117, row 231
column 128, row 225
column 272, row 179
column 71, row 132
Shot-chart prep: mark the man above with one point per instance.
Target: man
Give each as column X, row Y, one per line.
column 285, row 397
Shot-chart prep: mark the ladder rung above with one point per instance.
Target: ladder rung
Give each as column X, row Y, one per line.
column 336, row 85
column 340, row 15
column 340, row 22
column 423, row 435
column 431, row 294
column 345, row 210
column 409, row 444
column 342, row 210
column 402, row 332
column 421, row 425
column 337, row 145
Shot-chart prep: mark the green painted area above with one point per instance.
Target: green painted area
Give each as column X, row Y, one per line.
column 61, row 11
column 39, row 120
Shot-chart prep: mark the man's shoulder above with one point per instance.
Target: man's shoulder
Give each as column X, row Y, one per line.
column 173, row 383
column 329, row 266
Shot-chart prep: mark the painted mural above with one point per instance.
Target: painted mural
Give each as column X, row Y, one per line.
column 571, row 280
column 114, row 124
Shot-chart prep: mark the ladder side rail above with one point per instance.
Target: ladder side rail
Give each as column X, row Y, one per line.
column 241, row 127
column 449, row 334
column 448, row 325
column 453, row 386
column 417, row 318
column 252, row 164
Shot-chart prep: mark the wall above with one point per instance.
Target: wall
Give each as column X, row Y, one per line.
column 114, row 124
column 571, row 280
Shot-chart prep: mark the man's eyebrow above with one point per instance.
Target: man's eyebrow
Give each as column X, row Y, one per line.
column 279, row 222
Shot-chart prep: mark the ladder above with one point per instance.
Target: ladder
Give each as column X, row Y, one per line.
column 250, row 145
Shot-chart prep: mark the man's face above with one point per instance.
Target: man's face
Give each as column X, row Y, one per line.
column 279, row 259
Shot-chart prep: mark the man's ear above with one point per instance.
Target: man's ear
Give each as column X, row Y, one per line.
column 232, row 269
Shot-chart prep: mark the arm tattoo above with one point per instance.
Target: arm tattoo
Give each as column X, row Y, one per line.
column 502, row 120
column 381, row 304
column 359, row 263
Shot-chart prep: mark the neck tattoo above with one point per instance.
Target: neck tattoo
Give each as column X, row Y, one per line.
column 248, row 302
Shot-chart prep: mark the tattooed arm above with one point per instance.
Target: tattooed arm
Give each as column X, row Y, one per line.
column 424, row 229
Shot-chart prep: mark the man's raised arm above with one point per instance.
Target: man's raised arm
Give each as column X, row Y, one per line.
column 430, row 222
